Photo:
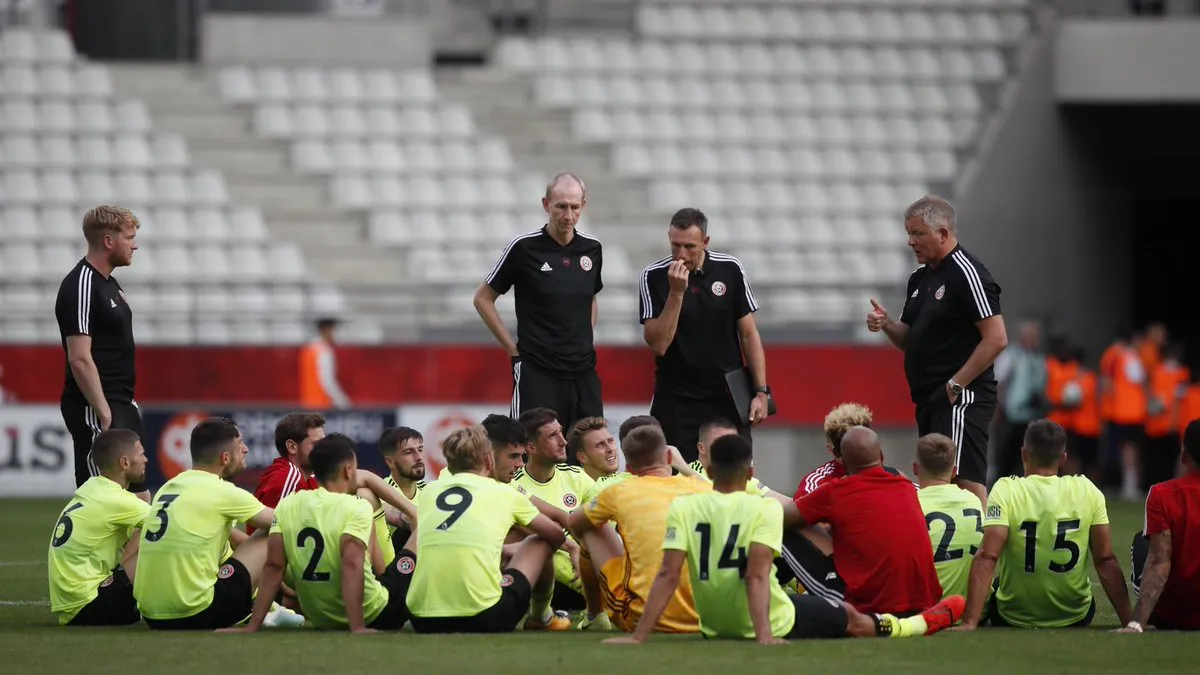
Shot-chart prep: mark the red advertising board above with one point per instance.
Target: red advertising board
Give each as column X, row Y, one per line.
column 806, row 380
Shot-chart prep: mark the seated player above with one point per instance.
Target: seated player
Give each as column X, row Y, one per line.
column 837, row 422
column 1040, row 528
column 638, row 507
column 459, row 586
column 729, row 538
column 953, row 515
column 93, row 551
column 709, row 433
column 594, row 447
column 181, row 583
column 1166, row 556
column 881, row 551
column 508, row 439
column 402, row 449
column 320, row 540
column 548, row 477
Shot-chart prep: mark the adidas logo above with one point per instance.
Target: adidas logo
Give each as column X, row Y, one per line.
column 546, row 267
column 914, row 293
column 114, row 303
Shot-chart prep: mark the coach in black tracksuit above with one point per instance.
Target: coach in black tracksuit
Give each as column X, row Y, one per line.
column 951, row 332
column 697, row 314
column 555, row 272
column 96, row 326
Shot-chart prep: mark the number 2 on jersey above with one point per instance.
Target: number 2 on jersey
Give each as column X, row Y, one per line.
column 732, row 556
column 163, row 520
column 455, row 508
column 943, row 553
column 302, row 538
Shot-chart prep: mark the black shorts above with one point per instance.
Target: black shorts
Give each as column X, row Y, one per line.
column 1086, row 449
column 233, row 600
column 681, row 419
column 502, row 617
column 966, row 423
column 113, row 606
column 818, row 618
column 396, row 579
column 1160, row 459
column 1120, row 434
column 803, row 561
column 572, row 397
column 993, row 614
column 84, row 426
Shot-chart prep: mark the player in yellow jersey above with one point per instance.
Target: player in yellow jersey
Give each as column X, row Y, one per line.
column 93, row 549
column 548, row 477
column 627, row 562
column 709, row 433
column 729, row 538
column 508, row 439
column 1040, row 530
column 320, row 541
column 181, row 583
column 953, row 515
column 594, row 447
column 402, row 449
column 459, row 587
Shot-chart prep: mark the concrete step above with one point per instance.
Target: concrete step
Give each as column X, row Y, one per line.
column 316, row 235
column 283, row 215
column 205, row 126
column 255, row 159
column 284, row 190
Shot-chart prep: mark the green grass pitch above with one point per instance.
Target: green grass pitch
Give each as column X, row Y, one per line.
column 30, row 642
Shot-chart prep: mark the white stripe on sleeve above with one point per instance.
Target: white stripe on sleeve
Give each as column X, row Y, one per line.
column 84, row 307
column 972, row 275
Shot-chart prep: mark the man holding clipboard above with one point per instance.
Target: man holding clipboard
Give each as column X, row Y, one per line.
column 697, row 314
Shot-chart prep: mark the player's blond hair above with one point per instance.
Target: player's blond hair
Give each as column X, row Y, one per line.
column 466, row 449
column 106, row 219
column 843, row 418
column 936, row 454
column 582, row 428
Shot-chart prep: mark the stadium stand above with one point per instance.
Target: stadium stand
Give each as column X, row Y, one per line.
column 208, row 271
column 801, row 128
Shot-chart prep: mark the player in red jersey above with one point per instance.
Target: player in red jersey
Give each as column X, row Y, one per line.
column 839, row 420
column 1166, row 557
column 295, row 435
column 880, row 543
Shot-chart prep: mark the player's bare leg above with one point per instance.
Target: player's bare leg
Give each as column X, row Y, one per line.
column 596, row 549
column 534, row 558
column 253, row 556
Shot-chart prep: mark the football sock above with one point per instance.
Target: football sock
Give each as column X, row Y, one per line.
column 889, row 625
column 539, row 607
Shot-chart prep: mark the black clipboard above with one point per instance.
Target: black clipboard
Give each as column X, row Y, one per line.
column 741, row 389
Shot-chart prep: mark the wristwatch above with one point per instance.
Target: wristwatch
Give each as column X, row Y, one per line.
column 955, row 387
column 763, row 390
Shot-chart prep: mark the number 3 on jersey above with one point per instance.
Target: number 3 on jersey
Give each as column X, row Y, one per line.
column 456, row 507
column 732, row 555
column 163, row 519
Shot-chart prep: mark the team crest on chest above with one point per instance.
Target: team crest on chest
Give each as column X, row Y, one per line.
column 718, row 288
column 586, row 263
column 940, row 292
column 570, row 500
